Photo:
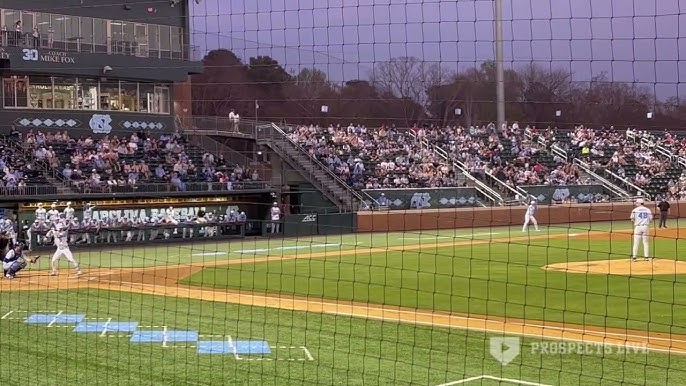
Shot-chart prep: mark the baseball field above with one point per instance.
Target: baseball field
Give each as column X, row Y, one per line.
column 487, row 306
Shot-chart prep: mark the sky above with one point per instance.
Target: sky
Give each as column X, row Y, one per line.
column 635, row 41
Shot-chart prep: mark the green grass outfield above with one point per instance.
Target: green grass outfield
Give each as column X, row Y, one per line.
column 500, row 279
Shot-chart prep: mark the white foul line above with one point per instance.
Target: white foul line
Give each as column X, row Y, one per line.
column 6, row 315
column 107, row 324
column 233, row 348
column 307, row 353
column 164, row 336
column 54, row 319
column 492, row 378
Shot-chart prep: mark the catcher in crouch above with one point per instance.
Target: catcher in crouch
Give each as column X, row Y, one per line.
column 14, row 261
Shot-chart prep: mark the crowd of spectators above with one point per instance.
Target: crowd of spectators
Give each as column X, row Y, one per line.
column 17, row 172
column 628, row 154
column 107, row 163
column 376, row 158
column 399, row 158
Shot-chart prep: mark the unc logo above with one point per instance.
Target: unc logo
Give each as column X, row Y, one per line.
column 100, row 123
column 561, row 194
column 420, row 200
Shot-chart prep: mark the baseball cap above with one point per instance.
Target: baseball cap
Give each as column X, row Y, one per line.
column 640, row 201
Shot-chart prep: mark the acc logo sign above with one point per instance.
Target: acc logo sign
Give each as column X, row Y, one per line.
column 101, row 123
column 310, row 218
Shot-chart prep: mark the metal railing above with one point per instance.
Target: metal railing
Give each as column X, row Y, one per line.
column 560, row 152
column 480, row 186
column 607, row 184
column 273, row 134
column 639, row 191
column 166, row 187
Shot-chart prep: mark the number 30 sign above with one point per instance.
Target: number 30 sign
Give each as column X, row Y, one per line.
column 30, row 54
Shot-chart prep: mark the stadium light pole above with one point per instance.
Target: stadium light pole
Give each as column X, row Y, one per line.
column 499, row 71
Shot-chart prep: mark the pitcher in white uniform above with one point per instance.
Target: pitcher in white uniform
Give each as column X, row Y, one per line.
column 529, row 216
column 641, row 217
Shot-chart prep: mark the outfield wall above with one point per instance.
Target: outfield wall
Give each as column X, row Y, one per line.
column 428, row 219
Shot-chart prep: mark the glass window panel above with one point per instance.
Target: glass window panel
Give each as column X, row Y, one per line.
column 176, row 39
column 87, row 94
column 58, row 27
column 72, row 26
column 72, row 32
column 40, row 92
column 65, row 93
column 165, row 38
column 154, row 36
column 147, row 97
column 9, row 93
column 154, row 40
column 141, row 38
column 9, row 17
column 86, row 34
column 43, row 24
column 161, row 100
column 116, row 36
column 129, row 38
column 22, row 91
column 129, row 96
column 27, row 20
column 109, row 95
column 100, row 35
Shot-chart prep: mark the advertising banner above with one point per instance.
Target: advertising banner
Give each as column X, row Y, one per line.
column 568, row 193
column 435, row 198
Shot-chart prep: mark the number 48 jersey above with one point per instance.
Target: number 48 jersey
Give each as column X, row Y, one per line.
column 641, row 216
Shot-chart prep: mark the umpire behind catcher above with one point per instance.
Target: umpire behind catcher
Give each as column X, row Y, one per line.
column 664, row 212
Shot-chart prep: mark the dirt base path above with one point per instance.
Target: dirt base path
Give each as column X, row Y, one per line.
column 164, row 281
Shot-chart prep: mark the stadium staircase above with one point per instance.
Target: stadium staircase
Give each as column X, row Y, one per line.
column 333, row 187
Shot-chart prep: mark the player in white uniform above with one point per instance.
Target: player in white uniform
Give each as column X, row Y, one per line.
column 40, row 213
column 275, row 215
column 641, row 217
column 61, row 236
column 53, row 214
column 529, row 216
column 68, row 212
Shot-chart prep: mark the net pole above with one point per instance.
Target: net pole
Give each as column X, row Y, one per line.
column 499, row 71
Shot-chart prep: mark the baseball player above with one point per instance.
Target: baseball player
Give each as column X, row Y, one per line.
column 61, row 236
column 529, row 216
column 53, row 213
column 275, row 215
column 641, row 217
column 14, row 261
column 41, row 214
column 68, row 211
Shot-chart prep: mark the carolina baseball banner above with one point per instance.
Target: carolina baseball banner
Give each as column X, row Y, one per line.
column 435, row 198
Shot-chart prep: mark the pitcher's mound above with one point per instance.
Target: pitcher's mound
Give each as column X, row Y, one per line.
column 622, row 267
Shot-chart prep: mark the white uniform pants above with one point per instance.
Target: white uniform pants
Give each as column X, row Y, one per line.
column 529, row 219
column 66, row 252
column 641, row 234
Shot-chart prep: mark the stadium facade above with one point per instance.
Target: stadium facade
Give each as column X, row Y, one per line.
column 93, row 65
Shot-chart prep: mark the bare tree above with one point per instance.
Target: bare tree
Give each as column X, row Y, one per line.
column 408, row 78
